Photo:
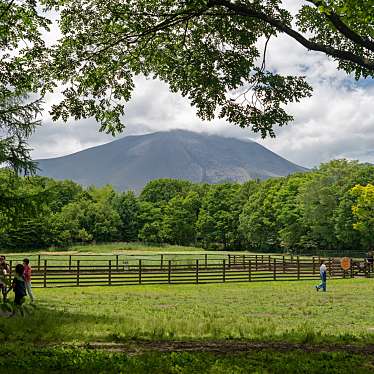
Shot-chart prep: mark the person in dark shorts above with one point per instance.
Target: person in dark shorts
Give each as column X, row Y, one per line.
column 18, row 286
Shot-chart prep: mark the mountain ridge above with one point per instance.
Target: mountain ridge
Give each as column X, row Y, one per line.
column 132, row 161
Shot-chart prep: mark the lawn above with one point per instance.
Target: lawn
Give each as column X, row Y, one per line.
column 62, row 360
column 109, row 248
column 273, row 311
column 130, row 253
column 56, row 335
column 100, row 254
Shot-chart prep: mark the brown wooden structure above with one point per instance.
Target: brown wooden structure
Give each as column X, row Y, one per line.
column 231, row 268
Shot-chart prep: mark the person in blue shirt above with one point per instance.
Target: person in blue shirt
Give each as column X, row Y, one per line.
column 323, row 275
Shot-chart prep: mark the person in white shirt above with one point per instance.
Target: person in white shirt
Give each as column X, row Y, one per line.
column 323, row 275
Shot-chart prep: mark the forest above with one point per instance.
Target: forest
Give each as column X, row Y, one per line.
column 329, row 207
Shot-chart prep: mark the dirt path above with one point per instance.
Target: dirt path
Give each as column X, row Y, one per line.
column 222, row 347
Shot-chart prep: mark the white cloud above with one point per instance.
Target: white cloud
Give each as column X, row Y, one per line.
column 334, row 123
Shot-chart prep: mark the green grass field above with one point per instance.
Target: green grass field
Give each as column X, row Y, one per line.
column 110, row 248
column 284, row 311
column 123, row 253
column 129, row 253
column 62, row 360
column 100, row 254
column 267, row 313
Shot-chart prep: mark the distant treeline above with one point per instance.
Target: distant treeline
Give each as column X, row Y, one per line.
column 330, row 208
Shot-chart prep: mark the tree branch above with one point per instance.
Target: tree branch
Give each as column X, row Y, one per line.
column 247, row 11
column 344, row 29
column 173, row 19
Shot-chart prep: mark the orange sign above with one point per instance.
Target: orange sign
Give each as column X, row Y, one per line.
column 345, row 263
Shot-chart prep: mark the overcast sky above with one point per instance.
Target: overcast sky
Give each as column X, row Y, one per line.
column 336, row 122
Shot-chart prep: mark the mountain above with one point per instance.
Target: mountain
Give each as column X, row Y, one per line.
column 130, row 162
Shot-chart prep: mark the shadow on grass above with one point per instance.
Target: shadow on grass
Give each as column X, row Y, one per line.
column 43, row 325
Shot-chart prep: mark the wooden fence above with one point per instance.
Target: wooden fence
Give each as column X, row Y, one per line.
column 233, row 268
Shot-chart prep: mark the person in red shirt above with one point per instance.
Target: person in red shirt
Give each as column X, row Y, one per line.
column 27, row 278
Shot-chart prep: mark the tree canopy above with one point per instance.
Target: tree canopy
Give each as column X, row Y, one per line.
column 22, row 53
column 329, row 208
column 211, row 51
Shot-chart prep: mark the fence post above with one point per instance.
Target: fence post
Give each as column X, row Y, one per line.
column 269, row 263
column 110, row 273
column 117, row 263
column 243, row 261
column 275, row 269
column 69, row 262
column 78, row 268
column 229, row 261
column 369, row 269
column 140, row 271
column 169, row 271
column 314, row 266
column 38, row 262
column 223, row 270
column 206, row 261
column 351, row 269
column 298, row 267
column 249, row 270
column 10, row 271
column 256, row 263
column 330, row 266
column 45, row 274
column 283, row 265
column 197, row 271
column 162, row 262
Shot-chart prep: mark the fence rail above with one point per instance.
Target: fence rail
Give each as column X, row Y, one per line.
column 37, row 260
column 233, row 268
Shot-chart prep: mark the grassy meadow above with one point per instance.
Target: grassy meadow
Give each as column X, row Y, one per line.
column 284, row 311
column 71, row 360
column 109, row 248
column 126, row 253
column 129, row 252
column 58, row 334
column 101, row 253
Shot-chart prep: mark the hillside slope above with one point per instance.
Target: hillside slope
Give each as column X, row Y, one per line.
column 132, row 161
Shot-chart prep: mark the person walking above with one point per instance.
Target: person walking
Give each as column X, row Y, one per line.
column 27, row 278
column 4, row 271
column 323, row 275
column 19, row 288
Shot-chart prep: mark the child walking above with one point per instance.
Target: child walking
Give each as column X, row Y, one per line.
column 27, row 278
column 18, row 287
column 323, row 275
